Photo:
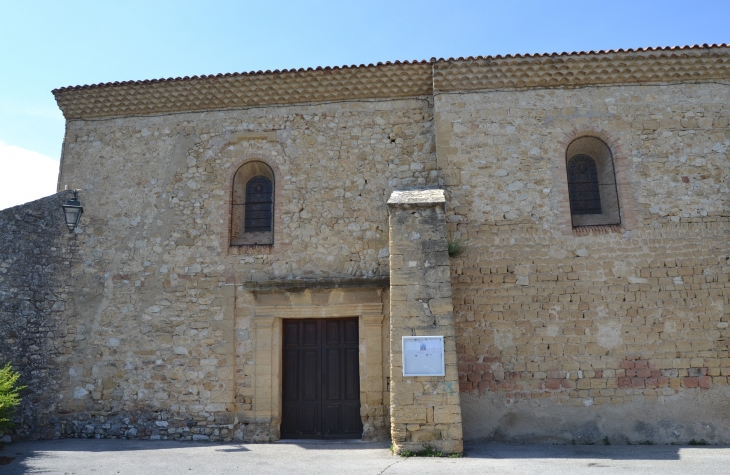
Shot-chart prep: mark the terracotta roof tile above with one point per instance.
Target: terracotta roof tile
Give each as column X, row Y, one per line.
column 393, row 80
column 250, row 73
column 371, row 65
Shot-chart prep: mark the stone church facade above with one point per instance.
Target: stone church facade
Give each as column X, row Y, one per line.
column 229, row 218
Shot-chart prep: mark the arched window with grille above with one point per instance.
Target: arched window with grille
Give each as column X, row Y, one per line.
column 592, row 183
column 252, row 205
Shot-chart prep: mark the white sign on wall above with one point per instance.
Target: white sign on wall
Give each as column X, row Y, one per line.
column 423, row 356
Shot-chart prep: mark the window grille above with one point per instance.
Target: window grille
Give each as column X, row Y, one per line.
column 259, row 204
column 585, row 197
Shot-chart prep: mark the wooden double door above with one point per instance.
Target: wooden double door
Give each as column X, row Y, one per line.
column 321, row 379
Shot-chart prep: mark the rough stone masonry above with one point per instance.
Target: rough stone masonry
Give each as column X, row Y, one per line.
column 150, row 322
column 424, row 410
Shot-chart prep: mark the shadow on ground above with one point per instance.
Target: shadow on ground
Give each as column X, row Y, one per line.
column 81, row 456
column 612, row 452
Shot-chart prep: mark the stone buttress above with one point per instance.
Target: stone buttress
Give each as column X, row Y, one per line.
column 425, row 410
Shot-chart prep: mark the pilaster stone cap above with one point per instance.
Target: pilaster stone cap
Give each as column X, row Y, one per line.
column 417, row 197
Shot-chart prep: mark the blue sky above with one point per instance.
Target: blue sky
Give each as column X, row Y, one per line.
column 50, row 44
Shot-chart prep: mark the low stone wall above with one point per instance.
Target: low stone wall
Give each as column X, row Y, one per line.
column 36, row 251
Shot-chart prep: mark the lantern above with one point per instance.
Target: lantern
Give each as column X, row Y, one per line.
column 73, row 210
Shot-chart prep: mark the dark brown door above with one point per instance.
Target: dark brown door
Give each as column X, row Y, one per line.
column 321, row 380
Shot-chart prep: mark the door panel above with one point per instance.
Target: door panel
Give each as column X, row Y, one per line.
column 311, row 333
column 352, row 422
column 351, row 337
column 301, row 382
column 333, row 374
column 332, row 419
column 333, row 332
column 291, row 359
column 342, row 376
column 321, row 380
column 289, row 419
column 291, row 335
column 352, row 378
column 309, row 423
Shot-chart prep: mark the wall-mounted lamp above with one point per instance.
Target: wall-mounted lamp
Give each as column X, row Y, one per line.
column 73, row 211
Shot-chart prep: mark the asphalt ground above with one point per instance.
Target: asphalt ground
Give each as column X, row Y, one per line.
column 133, row 457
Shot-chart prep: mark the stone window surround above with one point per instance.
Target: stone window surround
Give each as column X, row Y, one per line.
column 241, row 178
column 278, row 223
column 629, row 218
column 266, row 326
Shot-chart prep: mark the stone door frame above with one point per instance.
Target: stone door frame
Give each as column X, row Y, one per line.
column 266, row 325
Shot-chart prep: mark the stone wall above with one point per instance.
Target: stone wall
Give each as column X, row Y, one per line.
column 36, row 255
column 562, row 333
column 163, row 335
column 576, row 334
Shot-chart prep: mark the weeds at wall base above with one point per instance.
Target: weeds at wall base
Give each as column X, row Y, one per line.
column 428, row 451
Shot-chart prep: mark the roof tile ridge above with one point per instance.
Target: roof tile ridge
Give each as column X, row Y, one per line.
column 589, row 53
column 389, row 63
column 137, row 82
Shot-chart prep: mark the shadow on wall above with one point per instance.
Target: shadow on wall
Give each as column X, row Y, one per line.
column 693, row 417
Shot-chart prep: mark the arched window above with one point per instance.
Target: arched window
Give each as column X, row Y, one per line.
column 592, row 183
column 252, row 205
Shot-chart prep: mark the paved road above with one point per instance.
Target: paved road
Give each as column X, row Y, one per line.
column 131, row 457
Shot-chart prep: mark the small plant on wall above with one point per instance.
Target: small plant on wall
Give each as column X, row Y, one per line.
column 457, row 246
column 9, row 395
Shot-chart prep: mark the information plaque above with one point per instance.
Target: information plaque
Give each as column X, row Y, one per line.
column 423, row 356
